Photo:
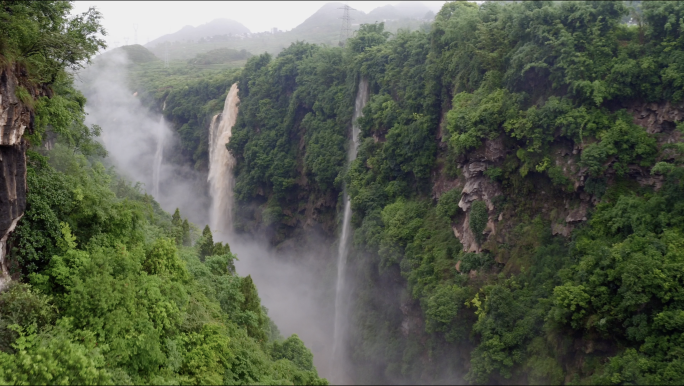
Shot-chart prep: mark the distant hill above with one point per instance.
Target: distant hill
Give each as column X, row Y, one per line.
column 213, row 28
column 326, row 18
column 412, row 9
column 389, row 12
column 135, row 52
column 404, row 10
column 322, row 27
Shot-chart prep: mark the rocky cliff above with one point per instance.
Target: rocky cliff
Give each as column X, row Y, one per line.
column 565, row 209
column 16, row 118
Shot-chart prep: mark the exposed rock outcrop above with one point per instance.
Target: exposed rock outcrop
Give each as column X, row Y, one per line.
column 479, row 187
column 656, row 117
column 16, row 117
column 660, row 119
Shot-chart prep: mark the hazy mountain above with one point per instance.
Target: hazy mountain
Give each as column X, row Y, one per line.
column 322, row 27
column 328, row 17
column 388, row 12
column 214, row 27
column 403, row 10
column 135, row 53
column 326, row 20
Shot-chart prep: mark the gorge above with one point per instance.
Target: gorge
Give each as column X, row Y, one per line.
column 491, row 197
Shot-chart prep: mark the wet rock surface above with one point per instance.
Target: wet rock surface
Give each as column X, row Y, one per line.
column 16, row 117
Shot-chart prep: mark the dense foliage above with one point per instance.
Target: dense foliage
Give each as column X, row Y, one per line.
column 108, row 288
column 574, row 269
column 294, row 112
column 46, row 39
column 220, row 56
column 555, row 84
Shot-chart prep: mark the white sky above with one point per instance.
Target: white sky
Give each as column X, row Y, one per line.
column 156, row 18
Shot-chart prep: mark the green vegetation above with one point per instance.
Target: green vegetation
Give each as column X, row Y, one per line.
column 44, row 39
column 139, row 54
column 108, row 289
column 220, row 56
column 537, row 96
column 193, row 94
column 553, row 83
column 191, row 91
column 478, row 219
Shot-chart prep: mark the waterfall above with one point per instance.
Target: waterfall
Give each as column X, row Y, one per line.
column 343, row 249
column 158, row 158
column 221, row 164
column 158, row 155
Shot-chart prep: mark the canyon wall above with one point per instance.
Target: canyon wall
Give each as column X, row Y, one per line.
column 17, row 95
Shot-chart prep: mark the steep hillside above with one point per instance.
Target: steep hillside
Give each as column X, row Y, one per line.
column 99, row 285
column 517, row 193
column 516, row 196
column 17, row 116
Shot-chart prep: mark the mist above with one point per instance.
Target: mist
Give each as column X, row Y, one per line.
column 296, row 285
column 132, row 134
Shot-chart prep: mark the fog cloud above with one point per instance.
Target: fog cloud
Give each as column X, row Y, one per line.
column 296, row 286
column 132, row 136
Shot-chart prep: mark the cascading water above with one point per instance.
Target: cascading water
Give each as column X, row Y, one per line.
column 221, row 164
column 343, row 251
column 158, row 155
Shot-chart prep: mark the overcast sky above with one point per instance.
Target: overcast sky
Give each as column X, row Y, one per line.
column 155, row 18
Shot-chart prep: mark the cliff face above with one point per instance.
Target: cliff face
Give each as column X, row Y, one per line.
column 16, row 116
column 565, row 209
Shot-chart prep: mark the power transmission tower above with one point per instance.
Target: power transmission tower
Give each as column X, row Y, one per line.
column 126, row 41
column 346, row 30
column 135, row 34
column 166, row 55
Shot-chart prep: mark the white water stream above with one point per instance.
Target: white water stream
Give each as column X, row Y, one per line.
column 158, row 155
column 221, row 164
column 338, row 354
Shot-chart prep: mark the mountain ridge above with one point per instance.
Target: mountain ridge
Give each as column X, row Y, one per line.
column 329, row 14
column 220, row 26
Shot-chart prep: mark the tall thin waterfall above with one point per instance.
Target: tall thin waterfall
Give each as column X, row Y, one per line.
column 221, row 164
column 158, row 155
column 343, row 251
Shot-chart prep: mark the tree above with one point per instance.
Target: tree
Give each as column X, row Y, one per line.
column 368, row 35
column 47, row 38
column 176, row 218
column 186, row 233
column 206, row 244
column 256, row 325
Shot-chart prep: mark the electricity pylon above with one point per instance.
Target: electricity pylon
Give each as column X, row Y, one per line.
column 345, row 31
